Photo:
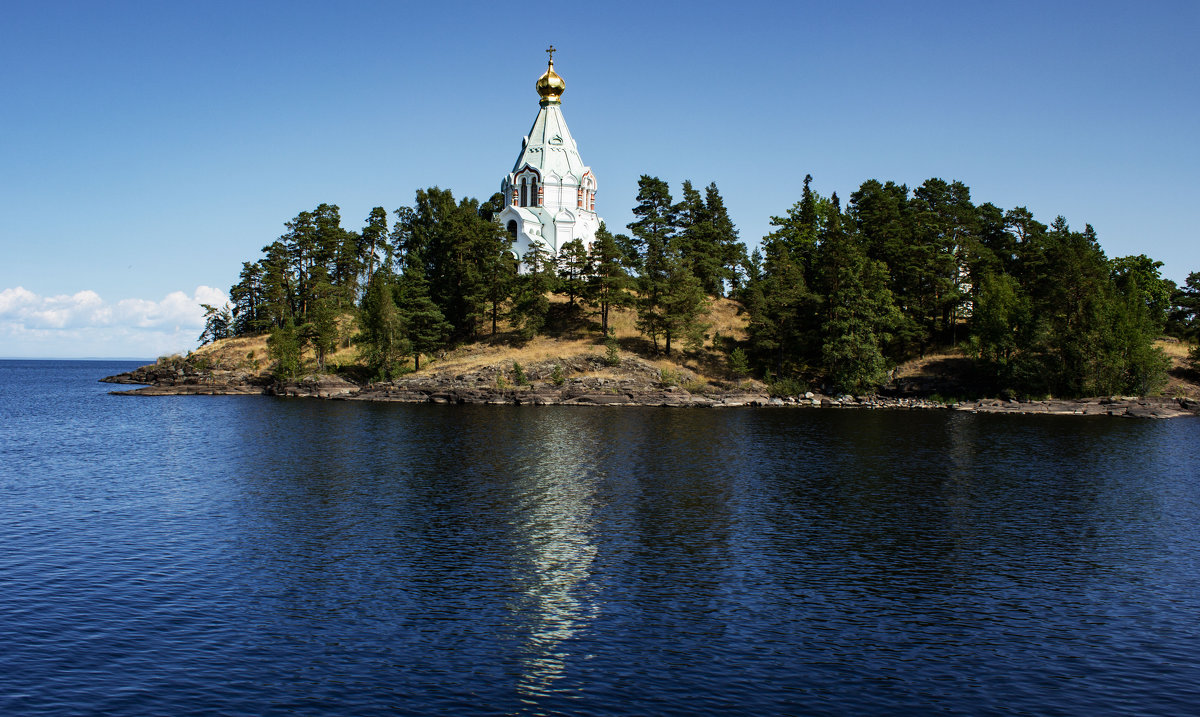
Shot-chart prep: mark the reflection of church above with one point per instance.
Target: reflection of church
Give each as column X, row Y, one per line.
column 551, row 194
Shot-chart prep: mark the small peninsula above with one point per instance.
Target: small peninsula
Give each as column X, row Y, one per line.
column 898, row 298
column 575, row 370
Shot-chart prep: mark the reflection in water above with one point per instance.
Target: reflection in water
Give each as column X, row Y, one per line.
column 557, row 495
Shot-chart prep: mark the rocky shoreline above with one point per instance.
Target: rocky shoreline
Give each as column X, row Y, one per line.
column 638, row 383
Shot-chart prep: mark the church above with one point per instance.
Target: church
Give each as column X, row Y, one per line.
column 551, row 193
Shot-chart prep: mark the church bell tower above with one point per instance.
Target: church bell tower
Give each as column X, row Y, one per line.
column 550, row 193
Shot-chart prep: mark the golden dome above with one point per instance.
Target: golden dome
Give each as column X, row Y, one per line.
column 550, row 86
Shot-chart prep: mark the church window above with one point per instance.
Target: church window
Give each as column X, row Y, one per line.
column 533, row 193
column 512, row 228
column 524, row 192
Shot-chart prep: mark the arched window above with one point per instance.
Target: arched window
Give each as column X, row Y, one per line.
column 533, row 193
column 512, row 228
column 524, row 192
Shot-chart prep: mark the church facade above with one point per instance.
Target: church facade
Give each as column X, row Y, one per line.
column 550, row 193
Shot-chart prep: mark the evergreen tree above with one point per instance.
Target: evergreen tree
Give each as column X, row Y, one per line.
column 574, row 268
column 279, row 294
column 372, row 243
column 1139, row 276
column 858, row 307
column 530, row 304
column 781, row 311
column 218, row 323
column 443, row 238
column 682, row 302
column 339, row 253
column 883, row 218
column 699, row 243
column 424, row 326
column 608, row 284
column 653, row 231
column 320, row 327
column 283, row 347
column 303, row 253
column 732, row 251
column 383, row 330
column 1184, row 315
column 248, row 297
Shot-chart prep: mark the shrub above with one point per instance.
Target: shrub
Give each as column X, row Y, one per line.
column 519, row 377
column 669, row 376
column 739, row 365
column 612, row 353
column 784, row 387
column 557, row 377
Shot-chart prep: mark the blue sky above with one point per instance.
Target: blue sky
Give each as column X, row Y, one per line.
column 148, row 149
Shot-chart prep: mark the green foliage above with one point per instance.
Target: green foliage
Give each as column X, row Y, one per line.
column 424, row 328
column 739, row 364
column 383, row 341
column 519, row 377
column 283, row 347
column 612, row 351
column 670, row 244
column 530, row 304
column 785, row 387
column 1183, row 318
column 669, row 376
column 1139, row 276
column 608, row 283
column 556, row 376
column 574, row 266
column 218, row 323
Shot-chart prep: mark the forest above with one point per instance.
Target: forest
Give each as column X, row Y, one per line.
column 835, row 296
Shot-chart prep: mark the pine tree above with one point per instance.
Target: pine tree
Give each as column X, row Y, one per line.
column 373, row 242
column 574, row 267
column 608, row 285
column 699, row 245
column 248, row 297
column 682, row 302
column 530, row 304
column 731, row 250
column 383, row 340
column 279, row 294
column 858, row 307
column 302, row 251
column 218, row 323
column 424, row 326
column 283, row 347
column 653, row 231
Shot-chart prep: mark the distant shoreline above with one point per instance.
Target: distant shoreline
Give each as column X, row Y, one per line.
column 475, row 389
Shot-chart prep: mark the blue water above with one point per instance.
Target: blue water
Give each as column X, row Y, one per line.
column 253, row 555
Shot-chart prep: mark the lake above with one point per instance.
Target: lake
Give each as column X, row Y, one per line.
column 257, row 555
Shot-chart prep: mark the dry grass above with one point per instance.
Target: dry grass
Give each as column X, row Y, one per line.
column 928, row 365
column 243, row 352
column 1174, row 348
column 1182, row 380
column 704, row 366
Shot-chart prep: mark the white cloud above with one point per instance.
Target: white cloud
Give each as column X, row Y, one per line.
column 84, row 324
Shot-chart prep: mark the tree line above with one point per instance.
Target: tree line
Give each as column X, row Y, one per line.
column 835, row 296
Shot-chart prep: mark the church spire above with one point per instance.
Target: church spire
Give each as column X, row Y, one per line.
column 550, row 86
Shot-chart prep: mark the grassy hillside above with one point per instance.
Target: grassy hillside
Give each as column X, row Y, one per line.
column 701, row 369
